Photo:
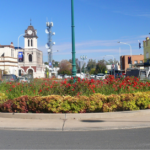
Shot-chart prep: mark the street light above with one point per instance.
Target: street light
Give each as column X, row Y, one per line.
column 73, row 43
column 114, row 63
column 18, row 39
column 83, row 58
column 130, row 50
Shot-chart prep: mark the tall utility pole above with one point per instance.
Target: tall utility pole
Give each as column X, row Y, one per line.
column 50, row 43
column 73, row 42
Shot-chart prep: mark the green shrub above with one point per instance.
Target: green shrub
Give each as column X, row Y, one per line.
column 77, row 104
column 3, row 98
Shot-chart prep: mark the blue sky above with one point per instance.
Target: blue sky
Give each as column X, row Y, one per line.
column 99, row 25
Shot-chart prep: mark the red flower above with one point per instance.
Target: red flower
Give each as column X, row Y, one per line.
column 13, row 86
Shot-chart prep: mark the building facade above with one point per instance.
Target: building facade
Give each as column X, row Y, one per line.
column 8, row 59
column 135, row 60
column 30, row 59
column 27, row 60
column 146, row 50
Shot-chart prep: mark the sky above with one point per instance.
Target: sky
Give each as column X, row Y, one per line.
column 99, row 25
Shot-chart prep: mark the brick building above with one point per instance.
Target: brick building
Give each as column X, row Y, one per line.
column 135, row 59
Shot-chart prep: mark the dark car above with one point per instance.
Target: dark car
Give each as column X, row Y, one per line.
column 10, row 78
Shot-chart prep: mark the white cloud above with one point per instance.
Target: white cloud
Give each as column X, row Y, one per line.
column 135, row 13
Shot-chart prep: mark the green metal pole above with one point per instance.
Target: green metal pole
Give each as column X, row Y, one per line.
column 73, row 42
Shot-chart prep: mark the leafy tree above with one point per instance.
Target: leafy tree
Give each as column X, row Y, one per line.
column 91, row 64
column 77, row 66
column 100, row 67
column 46, row 63
column 56, row 64
column 65, row 67
column 92, row 71
column 110, row 62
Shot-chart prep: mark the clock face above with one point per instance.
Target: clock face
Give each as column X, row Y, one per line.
column 29, row 32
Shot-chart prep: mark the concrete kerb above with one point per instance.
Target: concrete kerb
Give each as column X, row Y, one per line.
column 79, row 116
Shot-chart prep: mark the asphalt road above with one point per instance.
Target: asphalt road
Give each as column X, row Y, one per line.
column 108, row 139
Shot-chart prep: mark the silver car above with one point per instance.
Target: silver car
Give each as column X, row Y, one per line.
column 92, row 76
column 23, row 80
column 100, row 76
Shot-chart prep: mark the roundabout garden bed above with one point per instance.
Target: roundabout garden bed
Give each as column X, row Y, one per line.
column 48, row 96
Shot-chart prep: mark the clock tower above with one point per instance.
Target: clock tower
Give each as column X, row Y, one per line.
column 30, row 38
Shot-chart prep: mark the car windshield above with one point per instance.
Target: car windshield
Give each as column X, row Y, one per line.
column 100, row 74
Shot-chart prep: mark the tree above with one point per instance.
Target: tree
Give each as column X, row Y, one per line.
column 91, row 64
column 46, row 63
column 77, row 66
column 111, row 61
column 100, row 67
column 65, row 67
column 55, row 64
column 92, row 71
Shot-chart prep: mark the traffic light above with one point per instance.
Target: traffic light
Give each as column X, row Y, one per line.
column 139, row 45
column 129, row 60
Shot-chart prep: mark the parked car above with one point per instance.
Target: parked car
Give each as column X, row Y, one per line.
column 23, row 80
column 92, row 76
column 100, row 76
column 28, row 77
column 9, row 78
column 60, row 77
column 80, row 75
column 67, row 76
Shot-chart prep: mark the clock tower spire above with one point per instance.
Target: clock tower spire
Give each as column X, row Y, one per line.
column 30, row 37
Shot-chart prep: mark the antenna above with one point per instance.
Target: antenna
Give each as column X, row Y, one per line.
column 30, row 22
column 50, row 43
column 46, row 31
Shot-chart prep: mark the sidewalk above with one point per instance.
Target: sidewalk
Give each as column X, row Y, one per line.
column 79, row 122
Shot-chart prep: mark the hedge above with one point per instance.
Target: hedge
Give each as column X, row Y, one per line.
column 78, row 104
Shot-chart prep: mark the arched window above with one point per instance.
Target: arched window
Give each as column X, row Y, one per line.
column 30, row 58
column 28, row 42
column 31, row 42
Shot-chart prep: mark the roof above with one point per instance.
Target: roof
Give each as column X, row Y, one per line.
column 11, row 45
column 33, row 32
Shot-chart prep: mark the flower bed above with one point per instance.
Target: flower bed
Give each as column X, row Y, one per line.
column 77, row 104
column 44, row 87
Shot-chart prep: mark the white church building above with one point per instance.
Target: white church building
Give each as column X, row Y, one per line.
column 27, row 60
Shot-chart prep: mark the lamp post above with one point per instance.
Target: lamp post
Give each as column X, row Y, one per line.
column 73, row 42
column 18, row 47
column 18, row 39
column 130, row 50
column 83, row 58
column 114, row 63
